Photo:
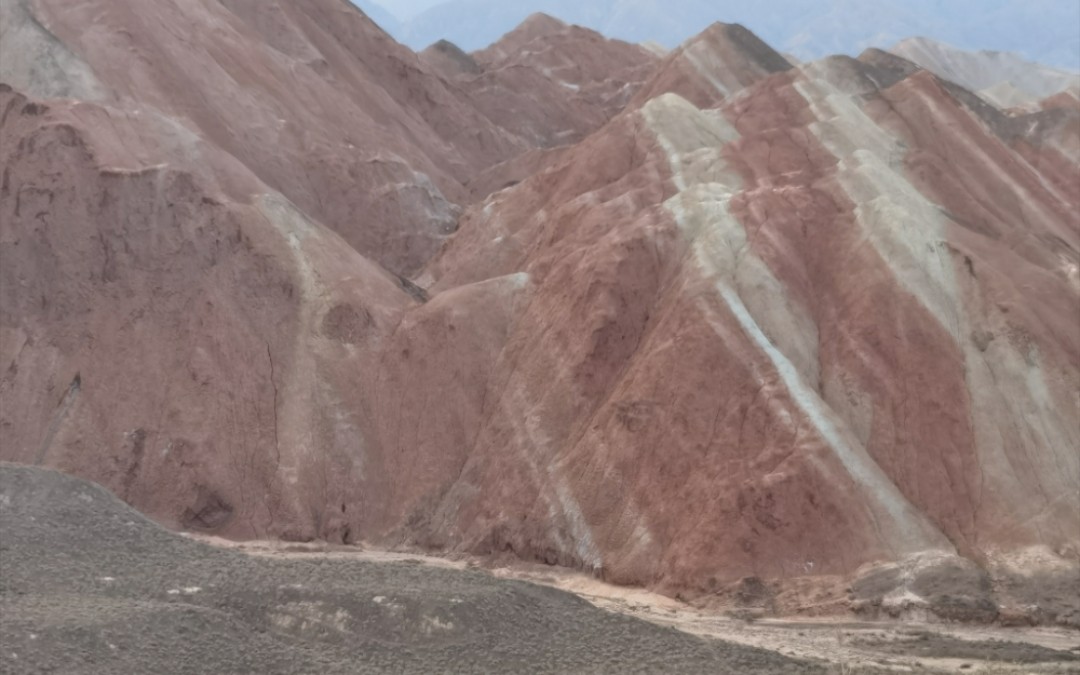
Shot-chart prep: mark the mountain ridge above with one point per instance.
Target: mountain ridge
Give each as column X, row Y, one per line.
column 805, row 29
column 986, row 72
column 750, row 320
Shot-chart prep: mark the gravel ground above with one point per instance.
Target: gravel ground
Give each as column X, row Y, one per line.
column 87, row 585
column 934, row 645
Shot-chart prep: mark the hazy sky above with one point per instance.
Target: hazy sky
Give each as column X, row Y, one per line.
column 406, row 9
column 1044, row 30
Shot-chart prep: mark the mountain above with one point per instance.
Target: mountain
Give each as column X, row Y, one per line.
column 1043, row 30
column 232, row 179
column 402, row 10
column 545, row 81
column 792, row 336
column 382, row 17
column 722, row 60
column 474, row 24
column 1005, row 78
column 769, row 347
column 291, row 90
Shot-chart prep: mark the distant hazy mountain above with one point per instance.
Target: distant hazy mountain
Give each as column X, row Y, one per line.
column 404, row 10
column 473, row 24
column 1005, row 78
column 380, row 15
column 1042, row 30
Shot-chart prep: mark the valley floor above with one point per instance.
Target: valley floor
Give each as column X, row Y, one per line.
column 88, row 585
column 842, row 644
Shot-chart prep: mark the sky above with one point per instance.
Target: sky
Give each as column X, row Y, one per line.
column 1043, row 30
column 407, row 9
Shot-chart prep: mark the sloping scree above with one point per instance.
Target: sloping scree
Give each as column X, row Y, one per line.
column 90, row 586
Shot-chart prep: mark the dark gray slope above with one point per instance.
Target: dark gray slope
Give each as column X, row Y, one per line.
column 88, row 585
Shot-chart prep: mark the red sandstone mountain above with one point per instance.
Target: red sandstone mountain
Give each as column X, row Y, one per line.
column 547, row 82
column 802, row 324
column 720, row 61
column 296, row 91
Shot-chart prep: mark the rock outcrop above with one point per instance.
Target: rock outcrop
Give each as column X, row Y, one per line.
column 267, row 274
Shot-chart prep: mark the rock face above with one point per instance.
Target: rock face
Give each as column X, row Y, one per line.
column 140, row 285
column 761, row 322
column 1005, row 79
column 706, row 68
column 546, row 82
column 293, row 90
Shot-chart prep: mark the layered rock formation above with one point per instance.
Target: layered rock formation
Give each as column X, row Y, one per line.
column 295, row 91
column 1005, row 79
column 722, row 60
column 793, row 323
column 547, row 82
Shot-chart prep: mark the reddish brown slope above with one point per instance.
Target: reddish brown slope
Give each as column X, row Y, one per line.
column 708, row 67
column 807, row 332
column 643, row 463
column 603, row 73
column 241, row 340
column 823, row 329
column 545, row 81
column 168, row 323
column 311, row 96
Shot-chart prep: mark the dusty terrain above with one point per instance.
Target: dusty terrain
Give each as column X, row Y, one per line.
column 91, row 586
column 841, row 644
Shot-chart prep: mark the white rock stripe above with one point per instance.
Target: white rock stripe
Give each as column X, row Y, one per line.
column 720, row 249
column 1010, row 400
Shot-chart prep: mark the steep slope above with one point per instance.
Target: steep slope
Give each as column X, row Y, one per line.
column 194, row 338
column 602, row 72
column 767, row 330
column 380, row 15
column 166, row 321
column 720, row 61
column 1046, row 134
column 546, row 82
column 311, row 96
column 1005, row 79
column 752, row 329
